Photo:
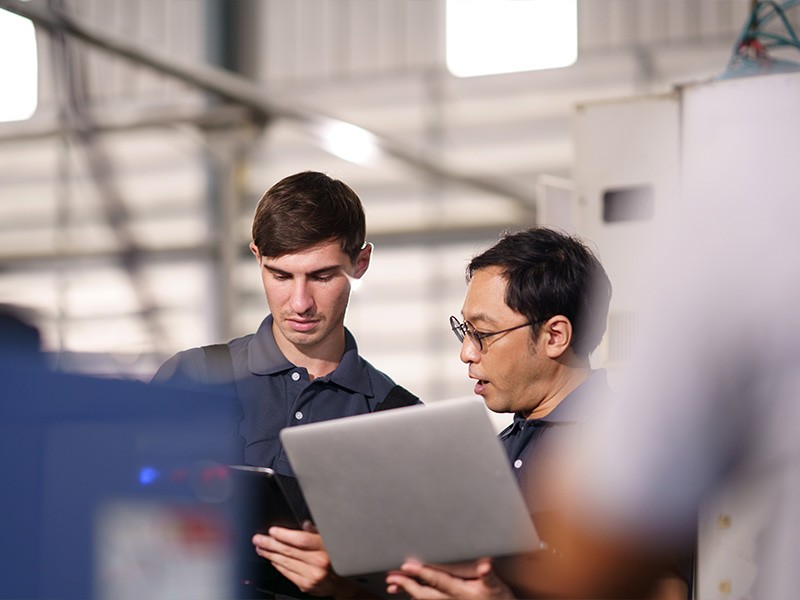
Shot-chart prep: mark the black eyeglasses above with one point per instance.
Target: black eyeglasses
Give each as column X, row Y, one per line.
column 466, row 329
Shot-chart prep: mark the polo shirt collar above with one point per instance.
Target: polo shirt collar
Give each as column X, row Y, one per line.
column 351, row 372
column 265, row 358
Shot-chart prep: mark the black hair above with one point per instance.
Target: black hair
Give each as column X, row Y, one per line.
column 549, row 273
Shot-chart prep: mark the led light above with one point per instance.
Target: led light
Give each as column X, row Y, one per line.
column 485, row 37
column 148, row 475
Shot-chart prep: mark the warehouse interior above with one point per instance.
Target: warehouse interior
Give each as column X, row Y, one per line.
column 129, row 180
column 128, row 194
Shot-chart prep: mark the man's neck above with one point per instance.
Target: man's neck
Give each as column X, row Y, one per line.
column 566, row 379
column 319, row 359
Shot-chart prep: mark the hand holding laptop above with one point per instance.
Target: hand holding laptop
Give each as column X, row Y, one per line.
column 457, row 501
column 426, row 581
column 300, row 556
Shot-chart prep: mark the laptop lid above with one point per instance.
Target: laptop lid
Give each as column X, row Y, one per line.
column 427, row 482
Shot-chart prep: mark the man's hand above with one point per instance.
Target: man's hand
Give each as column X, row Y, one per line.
column 424, row 582
column 300, row 556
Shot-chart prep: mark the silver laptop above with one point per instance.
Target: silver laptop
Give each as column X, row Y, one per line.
column 427, row 482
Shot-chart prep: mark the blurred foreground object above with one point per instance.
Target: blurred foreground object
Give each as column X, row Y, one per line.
column 706, row 418
column 112, row 489
column 20, row 340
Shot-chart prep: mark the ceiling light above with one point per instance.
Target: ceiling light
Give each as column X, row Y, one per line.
column 486, row 37
column 350, row 142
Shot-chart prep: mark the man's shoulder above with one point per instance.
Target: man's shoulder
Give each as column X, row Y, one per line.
column 194, row 365
column 185, row 364
column 387, row 393
column 588, row 400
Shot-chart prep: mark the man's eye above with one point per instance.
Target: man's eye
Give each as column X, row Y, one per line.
column 323, row 278
column 281, row 277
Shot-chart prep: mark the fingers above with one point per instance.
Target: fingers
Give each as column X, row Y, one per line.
column 299, row 556
column 397, row 582
column 312, row 581
column 432, row 577
column 266, row 543
column 483, row 568
column 423, row 582
column 302, row 540
column 429, row 583
column 291, row 569
column 273, row 549
column 307, row 570
column 494, row 586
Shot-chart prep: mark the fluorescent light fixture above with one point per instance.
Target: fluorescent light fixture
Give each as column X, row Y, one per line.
column 18, row 67
column 486, row 37
column 350, row 142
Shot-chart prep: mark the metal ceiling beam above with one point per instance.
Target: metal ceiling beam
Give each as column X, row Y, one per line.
column 112, row 121
column 76, row 258
column 242, row 91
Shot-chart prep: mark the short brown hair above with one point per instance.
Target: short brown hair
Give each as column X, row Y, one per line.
column 307, row 209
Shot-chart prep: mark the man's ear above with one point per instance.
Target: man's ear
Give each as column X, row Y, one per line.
column 557, row 331
column 255, row 251
column 362, row 261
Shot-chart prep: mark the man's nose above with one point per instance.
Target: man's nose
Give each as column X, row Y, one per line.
column 469, row 351
column 302, row 301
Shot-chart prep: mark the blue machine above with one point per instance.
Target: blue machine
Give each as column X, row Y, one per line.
column 112, row 488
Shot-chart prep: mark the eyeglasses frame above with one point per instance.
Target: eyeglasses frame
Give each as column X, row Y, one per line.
column 467, row 329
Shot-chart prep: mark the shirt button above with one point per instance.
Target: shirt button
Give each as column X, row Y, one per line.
column 295, row 376
column 517, row 464
column 298, row 415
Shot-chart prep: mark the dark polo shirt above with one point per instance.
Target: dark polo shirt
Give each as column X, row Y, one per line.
column 275, row 394
column 529, row 442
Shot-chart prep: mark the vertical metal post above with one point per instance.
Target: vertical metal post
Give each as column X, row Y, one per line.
column 231, row 44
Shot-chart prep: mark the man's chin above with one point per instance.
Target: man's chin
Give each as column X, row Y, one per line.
column 298, row 338
column 495, row 405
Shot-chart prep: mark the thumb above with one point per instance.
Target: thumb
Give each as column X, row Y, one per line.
column 309, row 526
column 486, row 573
column 483, row 568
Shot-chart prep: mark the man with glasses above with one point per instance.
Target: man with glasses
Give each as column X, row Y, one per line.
column 535, row 308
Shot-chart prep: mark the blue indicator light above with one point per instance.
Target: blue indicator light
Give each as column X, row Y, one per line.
column 148, row 475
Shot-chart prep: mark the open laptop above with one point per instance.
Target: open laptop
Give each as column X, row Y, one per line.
column 427, row 482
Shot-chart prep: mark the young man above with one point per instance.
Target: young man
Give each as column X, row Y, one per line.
column 302, row 365
column 535, row 308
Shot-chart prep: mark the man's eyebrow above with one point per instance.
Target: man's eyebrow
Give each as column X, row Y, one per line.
column 480, row 317
column 325, row 270
column 276, row 270
column 315, row 273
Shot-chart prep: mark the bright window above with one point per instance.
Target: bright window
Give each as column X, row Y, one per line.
column 485, row 37
column 18, row 67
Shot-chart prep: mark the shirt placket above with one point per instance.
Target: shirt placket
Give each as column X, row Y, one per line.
column 298, row 386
